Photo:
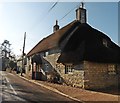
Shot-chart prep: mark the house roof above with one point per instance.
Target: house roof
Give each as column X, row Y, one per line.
column 51, row 41
column 79, row 42
column 86, row 43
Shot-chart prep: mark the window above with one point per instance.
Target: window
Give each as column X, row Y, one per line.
column 46, row 54
column 105, row 43
column 68, row 68
column 112, row 69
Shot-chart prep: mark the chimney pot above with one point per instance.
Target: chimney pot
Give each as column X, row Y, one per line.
column 56, row 26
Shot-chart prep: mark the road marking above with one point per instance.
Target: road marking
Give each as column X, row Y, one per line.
column 11, row 86
column 13, row 89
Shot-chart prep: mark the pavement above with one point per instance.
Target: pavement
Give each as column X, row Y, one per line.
column 76, row 94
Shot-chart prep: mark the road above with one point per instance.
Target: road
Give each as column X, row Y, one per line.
column 13, row 88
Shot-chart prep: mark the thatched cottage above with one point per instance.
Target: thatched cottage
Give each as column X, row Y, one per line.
column 77, row 55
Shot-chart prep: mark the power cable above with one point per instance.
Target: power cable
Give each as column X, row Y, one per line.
column 53, row 6
column 68, row 12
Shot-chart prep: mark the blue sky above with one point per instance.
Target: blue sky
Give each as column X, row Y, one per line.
column 16, row 18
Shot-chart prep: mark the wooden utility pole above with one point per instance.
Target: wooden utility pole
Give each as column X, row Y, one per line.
column 23, row 54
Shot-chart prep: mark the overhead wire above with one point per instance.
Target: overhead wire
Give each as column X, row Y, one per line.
column 49, row 10
column 68, row 13
column 53, row 5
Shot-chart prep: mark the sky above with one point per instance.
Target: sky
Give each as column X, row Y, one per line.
column 37, row 20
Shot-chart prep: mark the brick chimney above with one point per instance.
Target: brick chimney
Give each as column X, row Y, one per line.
column 56, row 27
column 81, row 13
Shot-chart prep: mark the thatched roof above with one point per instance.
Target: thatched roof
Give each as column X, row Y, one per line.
column 86, row 43
column 79, row 42
column 51, row 41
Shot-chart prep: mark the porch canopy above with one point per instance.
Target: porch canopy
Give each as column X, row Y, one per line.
column 37, row 59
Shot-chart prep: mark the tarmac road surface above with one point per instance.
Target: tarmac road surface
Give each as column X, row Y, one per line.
column 14, row 88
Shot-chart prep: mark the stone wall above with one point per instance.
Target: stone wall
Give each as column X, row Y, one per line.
column 97, row 76
column 28, row 68
column 118, row 71
column 74, row 79
column 88, row 75
column 52, row 59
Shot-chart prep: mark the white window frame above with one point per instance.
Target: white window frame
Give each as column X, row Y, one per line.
column 68, row 68
column 46, row 53
column 112, row 69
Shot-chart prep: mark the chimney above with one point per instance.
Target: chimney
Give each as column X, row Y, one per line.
column 56, row 27
column 81, row 14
